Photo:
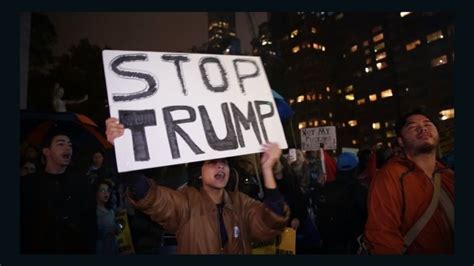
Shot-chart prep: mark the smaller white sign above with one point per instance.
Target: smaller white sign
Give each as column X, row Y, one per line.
column 313, row 137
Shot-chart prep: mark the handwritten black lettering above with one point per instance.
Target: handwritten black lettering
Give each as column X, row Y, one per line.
column 261, row 116
column 229, row 142
column 205, row 77
column 178, row 59
column 240, row 119
column 172, row 127
column 152, row 85
column 136, row 121
column 240, row 76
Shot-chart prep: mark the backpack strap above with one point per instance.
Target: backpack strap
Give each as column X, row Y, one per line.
column 423, row 220
column 448, row 207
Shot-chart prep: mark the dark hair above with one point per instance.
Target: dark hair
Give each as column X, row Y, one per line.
column 56, row 130
column 107, row 182
column 194, row 172
column 417, row 111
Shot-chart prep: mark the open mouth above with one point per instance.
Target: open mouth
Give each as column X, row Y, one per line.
column 220, row 175
column 67, row 156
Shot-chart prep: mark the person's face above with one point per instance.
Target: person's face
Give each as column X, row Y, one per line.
column 215, row 174
column 103, row 193
column 419, row 135
column 31, row 153
column 98, row 159
column 28, row 168
column 59, row 152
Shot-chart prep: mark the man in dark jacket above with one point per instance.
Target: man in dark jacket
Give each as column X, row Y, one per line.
column 57, row 211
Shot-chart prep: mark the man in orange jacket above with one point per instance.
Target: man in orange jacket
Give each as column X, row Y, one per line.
column 403, row 189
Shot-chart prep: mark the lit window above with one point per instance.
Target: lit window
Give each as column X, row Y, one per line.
column 439, row 61
column 292, row 101
column 352, row 123
column 330, row 115
column 379, row 46
column 361, row 101
column 412, row 45
column 328, row 89
column 296, row 49
column 293, row 34
column 368, row 61
column 366, row 43
column 434, row 36
column 308, row 97
column 339, row 16
column 313, row 30
column 339, row 91
column 381, row 65
column 329, row 97
column 323, row 122
column 377, row 29
column 402, row 14
column 313, row 97
column 310, row 123
column 368, row 69
column 316, row 123
column 386, row 93
column 378, row 37
column 300, row 98
column 354, row 142
column 390, row 133
column 354, row 48
column 316, row 46
column 343, row 124
column 373, row 97
column 447, row 114
column 302, row 125
column 350, row 97
column 376, row 125
column 380, row 56
column 349, row 88
column 320, row 96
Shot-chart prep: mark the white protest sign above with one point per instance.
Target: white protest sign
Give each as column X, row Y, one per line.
column 180, row 108
column 312, row 137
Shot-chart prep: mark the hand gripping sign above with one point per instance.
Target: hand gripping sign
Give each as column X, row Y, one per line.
column 180, row 108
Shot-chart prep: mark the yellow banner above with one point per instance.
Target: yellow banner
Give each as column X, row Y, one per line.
column 124, row 238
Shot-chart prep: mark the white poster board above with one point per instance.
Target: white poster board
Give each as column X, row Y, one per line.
column 180, row 108
column 312, row 137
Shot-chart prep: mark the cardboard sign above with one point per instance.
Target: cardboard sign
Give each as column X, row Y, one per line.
column 313, row 137
column 180, row 108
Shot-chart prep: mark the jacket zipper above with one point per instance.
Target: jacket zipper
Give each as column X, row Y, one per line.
column 219, row 228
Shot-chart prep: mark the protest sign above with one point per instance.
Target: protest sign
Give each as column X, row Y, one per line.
column 313, row 137
column 180, row 108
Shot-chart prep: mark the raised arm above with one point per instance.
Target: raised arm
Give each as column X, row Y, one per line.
column 271, row 155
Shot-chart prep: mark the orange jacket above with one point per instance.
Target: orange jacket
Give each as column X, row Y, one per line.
column 192, row 215
column 388, row 223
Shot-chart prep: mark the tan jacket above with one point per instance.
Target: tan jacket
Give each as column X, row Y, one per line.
column 192, row 215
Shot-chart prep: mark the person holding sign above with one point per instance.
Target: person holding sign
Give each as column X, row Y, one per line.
column 211, row 220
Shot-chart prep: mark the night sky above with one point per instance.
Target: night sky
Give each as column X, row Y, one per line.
column 157, row 31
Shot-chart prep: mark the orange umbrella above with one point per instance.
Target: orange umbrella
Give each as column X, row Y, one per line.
column 84, row 131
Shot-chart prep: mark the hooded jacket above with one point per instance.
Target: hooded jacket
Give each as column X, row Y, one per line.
column 399, row 195
column 193, row 216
